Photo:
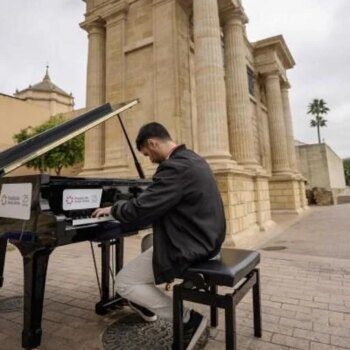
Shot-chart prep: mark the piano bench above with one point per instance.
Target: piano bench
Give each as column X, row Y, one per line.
column 233, row 268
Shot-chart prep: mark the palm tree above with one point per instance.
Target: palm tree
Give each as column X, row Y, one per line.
column 318, row 108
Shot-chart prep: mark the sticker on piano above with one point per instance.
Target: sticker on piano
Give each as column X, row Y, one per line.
column 16, row 200
column 74, row 199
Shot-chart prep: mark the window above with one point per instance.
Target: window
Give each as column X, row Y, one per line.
column 251, row 79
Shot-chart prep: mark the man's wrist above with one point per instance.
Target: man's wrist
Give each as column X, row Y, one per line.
column 116, row 210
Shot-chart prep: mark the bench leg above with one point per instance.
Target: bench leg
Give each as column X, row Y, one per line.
column 230, row 324
column 213, row 309
column 177, row 318
column 257, row 305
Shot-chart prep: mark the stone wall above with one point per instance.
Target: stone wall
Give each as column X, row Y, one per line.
column 336, row 169
column 286, row 195
column 247, row 205
column 321, row 166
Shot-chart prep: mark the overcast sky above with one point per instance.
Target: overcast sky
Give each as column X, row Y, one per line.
column 34, row 33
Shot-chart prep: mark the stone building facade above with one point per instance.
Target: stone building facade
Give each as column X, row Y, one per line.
column 48, row 95
column 193, row 68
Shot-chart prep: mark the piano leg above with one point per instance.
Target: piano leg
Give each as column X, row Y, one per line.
column 105, row 278
column 3, row 246
column 119, row 256
column 107, row 302
column 100, row 307
column 35, row 268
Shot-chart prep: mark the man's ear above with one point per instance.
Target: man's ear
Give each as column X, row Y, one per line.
column 152, row 143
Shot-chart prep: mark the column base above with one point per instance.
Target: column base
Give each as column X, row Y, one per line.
column 255, row 166
column 224, row 165
column 284, row 174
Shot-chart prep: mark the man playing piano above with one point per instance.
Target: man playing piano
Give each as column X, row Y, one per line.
column 185, row 208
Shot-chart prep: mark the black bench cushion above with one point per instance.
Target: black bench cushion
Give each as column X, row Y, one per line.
column 228, row 268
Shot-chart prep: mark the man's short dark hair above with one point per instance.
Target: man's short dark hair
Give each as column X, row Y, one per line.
column 151, row 130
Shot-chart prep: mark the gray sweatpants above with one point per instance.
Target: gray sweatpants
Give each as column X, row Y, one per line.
column 135, row 282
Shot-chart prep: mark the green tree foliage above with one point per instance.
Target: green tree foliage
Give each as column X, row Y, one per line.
column 346, row 163
column 67, row 154
column 318, row 108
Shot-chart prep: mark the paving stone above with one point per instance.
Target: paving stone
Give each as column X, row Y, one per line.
column 319, row 346
column 314, row 305
column 339, row 331
column 318, row 337
column 296, row 323
column 290, row 341
column 341, row 341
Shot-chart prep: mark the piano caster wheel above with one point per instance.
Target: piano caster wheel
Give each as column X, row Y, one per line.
column 100, row 310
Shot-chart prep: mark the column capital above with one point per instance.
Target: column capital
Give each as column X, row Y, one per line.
column 93, row 26
column 273, row 75
column 231, row 15
column 285, row 86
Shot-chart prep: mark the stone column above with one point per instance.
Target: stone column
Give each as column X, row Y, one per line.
column 289, row 128
column 115, row 151
column 238, row 100
column 277, row 129
column 95, row 93
column 213, row 141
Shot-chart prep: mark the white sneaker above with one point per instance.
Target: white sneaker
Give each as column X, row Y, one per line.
column 146, row 314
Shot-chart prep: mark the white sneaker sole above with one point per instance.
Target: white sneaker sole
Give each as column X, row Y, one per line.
column 201, row 328
column 146, row 318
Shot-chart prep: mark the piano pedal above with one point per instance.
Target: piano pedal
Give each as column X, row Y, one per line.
column 167, row 287
column 104, row 307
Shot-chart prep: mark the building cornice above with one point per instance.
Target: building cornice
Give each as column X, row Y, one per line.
column 278, row 45
column 105, row 12
column 93, row 23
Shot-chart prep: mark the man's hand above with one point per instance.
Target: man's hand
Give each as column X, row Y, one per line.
column 102, row 212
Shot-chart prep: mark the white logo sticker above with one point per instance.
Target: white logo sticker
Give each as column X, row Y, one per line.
column 82, row 199
column 15, row 201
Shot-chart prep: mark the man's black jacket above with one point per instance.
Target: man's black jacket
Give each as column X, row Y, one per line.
column 184, row 205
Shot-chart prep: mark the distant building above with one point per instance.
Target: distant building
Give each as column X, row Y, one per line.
column 321, row 167
column 32, row 107
column 48, row 95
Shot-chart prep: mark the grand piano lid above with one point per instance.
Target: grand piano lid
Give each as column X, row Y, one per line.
column 34, row 147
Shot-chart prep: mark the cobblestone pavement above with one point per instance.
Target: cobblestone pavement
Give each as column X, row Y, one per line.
column 305, row 294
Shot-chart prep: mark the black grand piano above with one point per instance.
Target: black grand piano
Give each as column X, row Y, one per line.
column 41, row 212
